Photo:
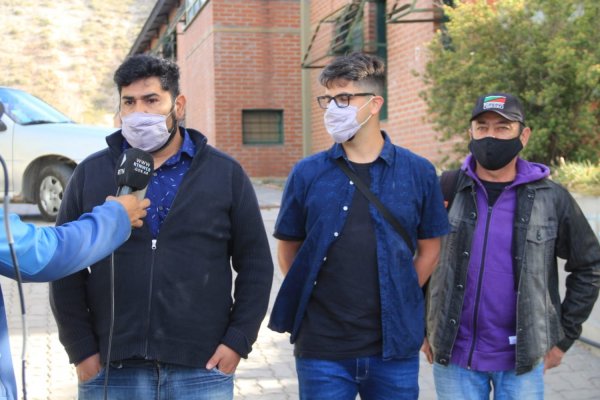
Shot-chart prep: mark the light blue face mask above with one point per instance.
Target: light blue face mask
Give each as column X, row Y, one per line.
column 341, row 123
column 146, row 131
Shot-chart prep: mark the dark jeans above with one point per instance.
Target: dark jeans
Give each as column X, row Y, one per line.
column 371, row 377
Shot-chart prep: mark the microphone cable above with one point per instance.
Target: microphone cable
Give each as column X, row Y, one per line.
column 132, row 173
column 111, row 324
column 13, row 255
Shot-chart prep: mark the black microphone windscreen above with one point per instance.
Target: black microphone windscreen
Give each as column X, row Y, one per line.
column 134, row 169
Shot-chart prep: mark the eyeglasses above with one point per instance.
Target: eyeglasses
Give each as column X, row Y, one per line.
column 341, row 100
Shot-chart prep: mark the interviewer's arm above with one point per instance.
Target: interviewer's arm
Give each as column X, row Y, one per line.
column 136, row 209
column 49, row 253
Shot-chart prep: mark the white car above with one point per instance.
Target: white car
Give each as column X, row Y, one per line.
column 41, row 148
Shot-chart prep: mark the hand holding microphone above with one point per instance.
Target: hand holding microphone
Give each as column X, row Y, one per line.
column 134, row 170
column 136, row 208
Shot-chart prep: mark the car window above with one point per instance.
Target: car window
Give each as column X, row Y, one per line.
column 26, row 109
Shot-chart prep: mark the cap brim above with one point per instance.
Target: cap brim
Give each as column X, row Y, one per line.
column 508, row 116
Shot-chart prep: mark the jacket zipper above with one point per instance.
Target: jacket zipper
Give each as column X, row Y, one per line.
column 154, row 241
column 154, row 246
column 479, row 284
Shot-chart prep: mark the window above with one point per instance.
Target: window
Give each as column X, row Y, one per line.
column 377, row 29
column 338, row 33
column 411, row 13
column 262, row 126
column 169, row 47
column 347, row 35
column 360, row 25
column 192, row 7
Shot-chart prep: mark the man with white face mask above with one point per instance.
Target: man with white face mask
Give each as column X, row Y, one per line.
column 352, row 297
column 178, row 333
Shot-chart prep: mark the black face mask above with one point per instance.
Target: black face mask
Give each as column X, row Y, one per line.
column 493, row 153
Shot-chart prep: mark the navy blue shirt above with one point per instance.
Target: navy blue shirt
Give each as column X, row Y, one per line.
column 165, row 183
column 314, row 208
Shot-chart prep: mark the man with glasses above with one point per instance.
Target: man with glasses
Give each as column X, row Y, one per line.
column 352, row 297
column 495, row 318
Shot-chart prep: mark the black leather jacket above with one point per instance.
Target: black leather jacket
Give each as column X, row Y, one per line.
column 548, row 224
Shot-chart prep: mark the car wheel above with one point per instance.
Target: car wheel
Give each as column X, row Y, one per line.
column 51, row 185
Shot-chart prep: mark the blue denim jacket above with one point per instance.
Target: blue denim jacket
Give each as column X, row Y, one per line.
column 315, row 204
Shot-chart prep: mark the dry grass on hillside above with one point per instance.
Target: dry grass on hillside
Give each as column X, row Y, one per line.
column 65, row 52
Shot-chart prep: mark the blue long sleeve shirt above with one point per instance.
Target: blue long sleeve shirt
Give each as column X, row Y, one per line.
column 315, row 204
column 50, row 253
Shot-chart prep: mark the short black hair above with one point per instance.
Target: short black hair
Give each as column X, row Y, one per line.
column 364, row 69
column 140, row 66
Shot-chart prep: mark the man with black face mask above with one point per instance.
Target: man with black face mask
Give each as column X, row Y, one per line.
column 178, row 331
column 494, row 312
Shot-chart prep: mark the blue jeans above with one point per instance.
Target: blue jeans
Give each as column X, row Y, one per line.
column 371, row 377
column 151, row 380
column 453, row 382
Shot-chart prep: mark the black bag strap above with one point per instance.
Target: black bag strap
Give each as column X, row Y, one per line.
column 373, row 199
column 448, row 181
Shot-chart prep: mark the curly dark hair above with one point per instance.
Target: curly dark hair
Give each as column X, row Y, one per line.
column 364, row 69
column 141, row 66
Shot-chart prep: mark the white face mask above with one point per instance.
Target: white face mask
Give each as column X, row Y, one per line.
column 146, row 131
column 341, row 123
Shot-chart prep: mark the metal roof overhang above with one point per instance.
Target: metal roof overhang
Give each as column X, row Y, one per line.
column 158, row 17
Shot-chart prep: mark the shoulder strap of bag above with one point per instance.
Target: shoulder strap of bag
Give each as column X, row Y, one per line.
column 448, row 181
column 373, row 199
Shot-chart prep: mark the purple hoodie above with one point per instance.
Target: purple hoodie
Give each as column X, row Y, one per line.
column 487, row 333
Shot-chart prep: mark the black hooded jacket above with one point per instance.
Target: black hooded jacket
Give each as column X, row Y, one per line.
column 173, row 295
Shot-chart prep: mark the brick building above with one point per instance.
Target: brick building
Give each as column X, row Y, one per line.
column 250, row 67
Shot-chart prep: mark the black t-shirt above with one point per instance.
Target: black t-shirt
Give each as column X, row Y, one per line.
column 494, row 189
column 343, row 317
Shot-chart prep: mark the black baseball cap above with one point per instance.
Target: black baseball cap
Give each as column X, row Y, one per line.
column 504, row 104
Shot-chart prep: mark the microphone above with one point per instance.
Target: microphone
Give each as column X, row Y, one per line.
column 134, row 170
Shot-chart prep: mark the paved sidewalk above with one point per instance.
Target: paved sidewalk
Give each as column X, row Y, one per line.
column 269, row 372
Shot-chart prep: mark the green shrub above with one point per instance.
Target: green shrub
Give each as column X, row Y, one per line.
column 546, row 52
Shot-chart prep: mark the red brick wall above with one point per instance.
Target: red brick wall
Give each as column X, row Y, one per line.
column 195, row 57
column 407, row 54
column 250, row 59
column 258, row 67
column 245, row 54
